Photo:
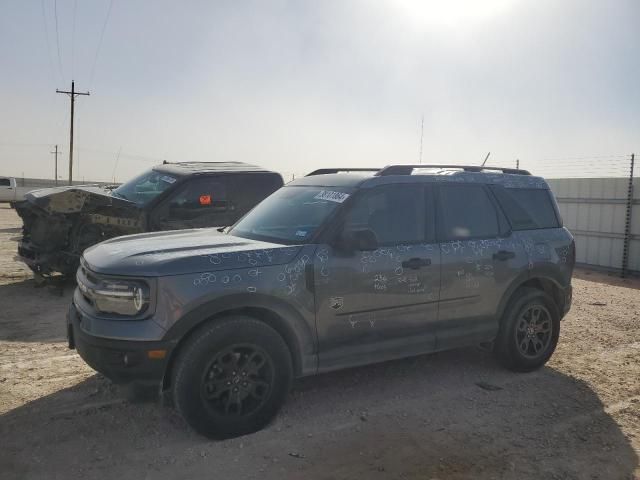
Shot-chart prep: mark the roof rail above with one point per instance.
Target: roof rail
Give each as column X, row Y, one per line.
column 326, row 171
column 408, row 169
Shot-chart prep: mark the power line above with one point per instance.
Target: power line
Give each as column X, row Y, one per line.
column 590, row 157
column 95, row 59
column 55, row 9
column 73, row 39
column 21, row 144
column 122, row 154
column 46, row 36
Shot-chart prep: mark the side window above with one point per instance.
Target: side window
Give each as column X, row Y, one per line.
column 466, row 211
column 527, row 208
column 247, row 190
column 202, row 196
column 5, row 182
column 395, row 213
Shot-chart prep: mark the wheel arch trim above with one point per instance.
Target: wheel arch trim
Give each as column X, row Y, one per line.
column 539, row 278
column 297, row 332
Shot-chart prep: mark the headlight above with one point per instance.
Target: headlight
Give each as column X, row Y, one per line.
column 123, row 297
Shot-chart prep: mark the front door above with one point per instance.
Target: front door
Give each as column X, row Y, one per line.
column 200, row 202
column 380, row 304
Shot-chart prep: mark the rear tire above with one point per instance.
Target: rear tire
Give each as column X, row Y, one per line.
column 232, row 377
column 529, row 331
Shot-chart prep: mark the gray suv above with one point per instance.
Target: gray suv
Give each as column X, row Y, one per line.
column 336, row 269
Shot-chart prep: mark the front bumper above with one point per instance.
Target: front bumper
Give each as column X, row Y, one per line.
column 43, row 262
column 121, row 361
column 567, row 293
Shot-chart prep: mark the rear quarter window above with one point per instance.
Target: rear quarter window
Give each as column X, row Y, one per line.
column 527, row 208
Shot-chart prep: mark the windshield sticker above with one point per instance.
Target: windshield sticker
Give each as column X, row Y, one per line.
column 301, row 233
column 168, row 179
column 337, row 197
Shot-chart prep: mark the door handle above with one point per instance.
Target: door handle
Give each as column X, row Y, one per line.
column 503, row 255
column 416, row 263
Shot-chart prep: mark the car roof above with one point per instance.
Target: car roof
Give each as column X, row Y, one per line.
column 194, row 168
column 510, row 178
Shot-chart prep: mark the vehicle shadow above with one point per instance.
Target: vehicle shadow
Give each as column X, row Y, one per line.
column 454, row 415
column 612, row 279
column 35, row 313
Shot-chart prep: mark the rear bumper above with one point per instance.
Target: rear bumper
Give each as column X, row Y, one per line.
column 121, row 361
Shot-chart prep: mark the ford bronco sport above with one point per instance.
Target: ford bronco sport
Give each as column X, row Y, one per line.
column 334, row 270
column 59, row 223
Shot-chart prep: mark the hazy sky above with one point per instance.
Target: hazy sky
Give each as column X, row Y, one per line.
column 300, row 85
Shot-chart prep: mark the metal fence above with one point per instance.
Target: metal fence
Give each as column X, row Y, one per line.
column 595, row 210
column 599, row 200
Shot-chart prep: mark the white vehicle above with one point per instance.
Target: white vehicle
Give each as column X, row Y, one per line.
column 10, row 191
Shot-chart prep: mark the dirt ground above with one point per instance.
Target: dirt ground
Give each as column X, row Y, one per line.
column 454, row 415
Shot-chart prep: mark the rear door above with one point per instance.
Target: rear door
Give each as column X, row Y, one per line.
column 246, row 190
column 381, row 304
column 480, row 258
column 198, row 202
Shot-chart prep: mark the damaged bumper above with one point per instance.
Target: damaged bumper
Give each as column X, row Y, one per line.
column 59, row 223
column 45, row 263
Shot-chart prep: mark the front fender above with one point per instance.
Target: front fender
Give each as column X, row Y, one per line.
column 295, row 326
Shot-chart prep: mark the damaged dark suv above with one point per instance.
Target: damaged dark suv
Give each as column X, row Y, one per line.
column 60, row 223
column 332, row 271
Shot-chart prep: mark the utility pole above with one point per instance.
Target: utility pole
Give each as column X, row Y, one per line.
column 56, row 152
column 517, row 164
column 72, row 94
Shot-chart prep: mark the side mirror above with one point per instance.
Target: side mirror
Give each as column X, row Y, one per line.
column 363, row 240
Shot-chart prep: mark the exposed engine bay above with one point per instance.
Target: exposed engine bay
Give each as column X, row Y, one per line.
column 60, row 223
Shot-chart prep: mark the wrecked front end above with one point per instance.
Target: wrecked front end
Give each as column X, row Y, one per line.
column 60, row 223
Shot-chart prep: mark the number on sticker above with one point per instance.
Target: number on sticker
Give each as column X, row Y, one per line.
column 332, row 196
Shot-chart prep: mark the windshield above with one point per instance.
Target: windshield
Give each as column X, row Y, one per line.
column 144, row 188
column 291, row 215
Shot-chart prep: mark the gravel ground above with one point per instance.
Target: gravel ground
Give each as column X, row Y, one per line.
column 454, row 415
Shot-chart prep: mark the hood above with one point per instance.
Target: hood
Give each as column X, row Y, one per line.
column 74, row 198
column 183, row 251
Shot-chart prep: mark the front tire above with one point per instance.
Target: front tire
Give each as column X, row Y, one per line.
column 529, row 331
column 232, row 377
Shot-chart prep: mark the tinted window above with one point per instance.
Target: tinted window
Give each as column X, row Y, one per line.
column 527, row 208
column 394, row 213
column 199, row 197
column 465, row 211
column 4, row 182
column 247, row 190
